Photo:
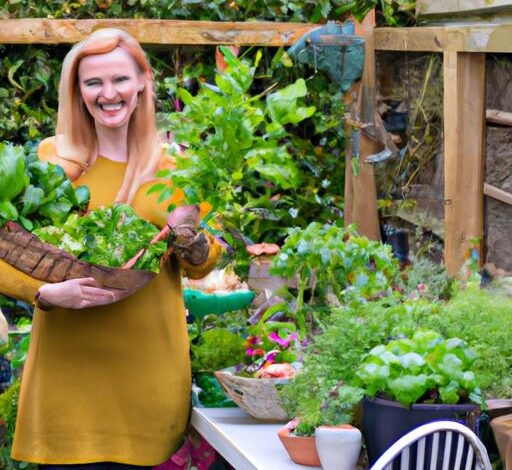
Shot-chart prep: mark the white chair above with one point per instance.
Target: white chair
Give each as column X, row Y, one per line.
column 440, row 445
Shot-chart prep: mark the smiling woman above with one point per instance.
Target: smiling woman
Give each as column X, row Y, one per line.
column 107, row 379
column 109, row 85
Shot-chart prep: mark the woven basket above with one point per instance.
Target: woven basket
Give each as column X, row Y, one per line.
column 257, row 397
column 24, row 251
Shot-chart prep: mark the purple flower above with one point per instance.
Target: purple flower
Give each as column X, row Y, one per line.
column 271, row 355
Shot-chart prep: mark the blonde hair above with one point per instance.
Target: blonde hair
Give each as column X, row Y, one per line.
column 76, row 135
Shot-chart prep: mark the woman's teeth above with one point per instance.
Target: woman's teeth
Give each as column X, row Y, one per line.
column 111, row 107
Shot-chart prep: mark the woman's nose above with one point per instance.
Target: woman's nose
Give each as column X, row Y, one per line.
column 109, row 91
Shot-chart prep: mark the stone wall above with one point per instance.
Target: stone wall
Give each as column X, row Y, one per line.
column 498, row 165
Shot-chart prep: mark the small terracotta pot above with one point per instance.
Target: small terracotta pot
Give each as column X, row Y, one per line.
column 301, row 449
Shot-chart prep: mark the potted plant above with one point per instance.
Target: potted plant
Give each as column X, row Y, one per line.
column 330, row 266
column 326, row 436
column 411, row 381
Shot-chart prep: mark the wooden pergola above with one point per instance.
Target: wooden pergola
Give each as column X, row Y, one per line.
column 463, row 48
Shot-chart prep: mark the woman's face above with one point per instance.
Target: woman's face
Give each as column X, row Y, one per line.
column 109, row 85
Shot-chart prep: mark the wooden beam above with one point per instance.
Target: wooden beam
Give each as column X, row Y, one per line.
column 50, row 31
column 360, row 188
column 498, row 194
column 464, row 127
column 496, row 116
column 443, row 7
column 470, row 38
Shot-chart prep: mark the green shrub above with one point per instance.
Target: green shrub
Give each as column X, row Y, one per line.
column 484, row 321
column 217, row 349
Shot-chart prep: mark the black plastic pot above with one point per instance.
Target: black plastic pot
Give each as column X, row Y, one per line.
column 385, row 421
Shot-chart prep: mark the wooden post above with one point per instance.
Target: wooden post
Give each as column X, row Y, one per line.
column 360, row 190
column 464, row 130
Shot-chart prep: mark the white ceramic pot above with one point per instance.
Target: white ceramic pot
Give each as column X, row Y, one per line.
column 338, row 446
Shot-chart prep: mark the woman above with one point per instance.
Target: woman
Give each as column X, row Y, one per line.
column 107, row 379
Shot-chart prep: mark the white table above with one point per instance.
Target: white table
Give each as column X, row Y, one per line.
column 246, row 443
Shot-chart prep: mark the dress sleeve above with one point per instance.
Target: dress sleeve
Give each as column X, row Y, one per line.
column 17, row 284
column 201, row 270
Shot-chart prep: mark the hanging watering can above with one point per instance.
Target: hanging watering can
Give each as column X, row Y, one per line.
column 333, row 49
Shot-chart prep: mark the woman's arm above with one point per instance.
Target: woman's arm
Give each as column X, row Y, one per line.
column 74, row 293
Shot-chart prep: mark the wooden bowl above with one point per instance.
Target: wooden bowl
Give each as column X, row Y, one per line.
column 24, row 251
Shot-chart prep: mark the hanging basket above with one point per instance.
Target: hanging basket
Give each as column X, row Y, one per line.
column 25, row 252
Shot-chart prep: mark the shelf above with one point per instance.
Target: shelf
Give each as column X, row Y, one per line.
column 246, row 443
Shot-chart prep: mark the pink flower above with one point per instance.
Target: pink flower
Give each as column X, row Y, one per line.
column 284, row 343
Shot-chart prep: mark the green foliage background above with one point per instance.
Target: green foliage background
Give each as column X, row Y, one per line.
column 392, row 11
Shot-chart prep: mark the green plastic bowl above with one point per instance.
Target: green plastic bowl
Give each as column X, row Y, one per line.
column 200, row 303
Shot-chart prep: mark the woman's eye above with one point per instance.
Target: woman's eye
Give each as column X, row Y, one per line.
column 121, row 79
column 92, row 83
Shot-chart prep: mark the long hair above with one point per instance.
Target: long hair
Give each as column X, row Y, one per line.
column 76, row 135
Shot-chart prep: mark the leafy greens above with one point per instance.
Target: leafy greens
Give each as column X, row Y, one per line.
column 108, row 236
column 33, row 192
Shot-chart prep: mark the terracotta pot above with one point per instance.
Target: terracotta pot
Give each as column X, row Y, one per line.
column 301, row 449
column 338, row 446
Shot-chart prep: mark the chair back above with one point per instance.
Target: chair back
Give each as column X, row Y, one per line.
column 439, row 445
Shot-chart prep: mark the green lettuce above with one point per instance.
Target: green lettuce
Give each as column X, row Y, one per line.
column 35, row 193
column 13, row 179
column 108, row 236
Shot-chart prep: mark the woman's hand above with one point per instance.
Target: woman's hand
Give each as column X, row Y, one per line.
column 77, row 293
column 188, row 244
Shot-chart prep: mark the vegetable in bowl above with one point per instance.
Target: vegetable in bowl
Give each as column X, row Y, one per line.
column 108, row 236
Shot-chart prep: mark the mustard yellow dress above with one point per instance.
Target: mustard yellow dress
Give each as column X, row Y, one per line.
column 109, row 383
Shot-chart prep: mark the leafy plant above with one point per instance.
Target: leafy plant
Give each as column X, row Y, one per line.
column 338, row 408
column 334, row 354
column 13, row 179
column 237, row 155
column 337, row 265
column 424, row 368
column 28, row 90
column 33, row 192
column 109, row 236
